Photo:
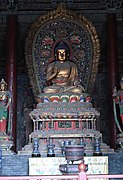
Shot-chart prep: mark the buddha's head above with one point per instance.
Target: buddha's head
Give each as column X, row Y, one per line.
column 62, row 51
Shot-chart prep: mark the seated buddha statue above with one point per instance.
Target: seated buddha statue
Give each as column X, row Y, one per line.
column 62, row 72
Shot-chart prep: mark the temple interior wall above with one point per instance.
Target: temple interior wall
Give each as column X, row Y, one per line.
column 25, row 98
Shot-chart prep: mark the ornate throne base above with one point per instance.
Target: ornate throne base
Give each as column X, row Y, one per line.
column 65, row 118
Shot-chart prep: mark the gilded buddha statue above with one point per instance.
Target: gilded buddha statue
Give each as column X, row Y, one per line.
column 62, row 72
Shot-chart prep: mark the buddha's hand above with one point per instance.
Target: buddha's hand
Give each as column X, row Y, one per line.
column 55, row 70
column 78, row 85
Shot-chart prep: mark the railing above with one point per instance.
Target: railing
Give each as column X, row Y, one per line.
column 72, row 177
column 67, row 177
column 108, row 176
column 81, row 176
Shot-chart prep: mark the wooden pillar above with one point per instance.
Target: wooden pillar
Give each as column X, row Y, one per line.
column 112, row 71
column 11, row 74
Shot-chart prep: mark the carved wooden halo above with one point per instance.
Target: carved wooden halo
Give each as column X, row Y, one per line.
column 66, row 25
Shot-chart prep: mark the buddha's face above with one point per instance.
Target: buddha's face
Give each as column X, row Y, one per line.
column 61, row 54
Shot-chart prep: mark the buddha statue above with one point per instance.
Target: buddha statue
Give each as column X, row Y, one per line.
column 62, row 72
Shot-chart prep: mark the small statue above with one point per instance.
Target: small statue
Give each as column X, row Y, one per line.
column 5, row 109
column 118, row 99
column 62, row 72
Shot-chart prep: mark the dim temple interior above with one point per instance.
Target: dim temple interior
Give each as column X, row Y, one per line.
column 61, row 87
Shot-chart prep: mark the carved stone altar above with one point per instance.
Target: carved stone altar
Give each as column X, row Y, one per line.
column 65, row 121
column 64, row 117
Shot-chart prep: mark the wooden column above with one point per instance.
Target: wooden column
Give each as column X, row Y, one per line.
column 11, row 74
column 113, row 72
